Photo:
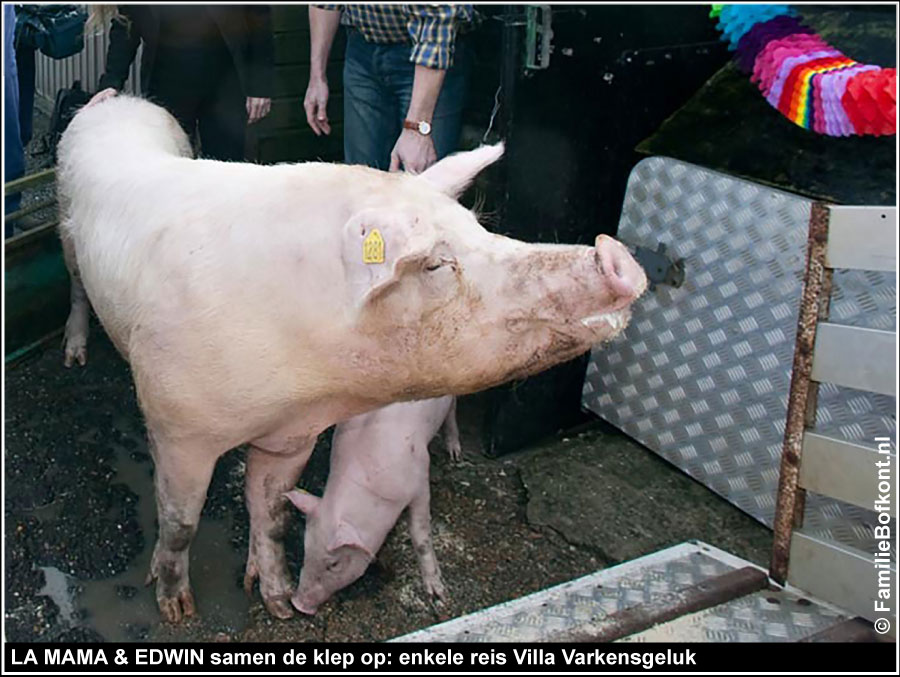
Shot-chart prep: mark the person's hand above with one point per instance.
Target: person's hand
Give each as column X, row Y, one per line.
column 413, row 152
column 316, row 103
column 257, row 108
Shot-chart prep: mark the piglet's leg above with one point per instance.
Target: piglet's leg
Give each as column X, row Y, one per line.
column 269, row 476
column 77, row 325
column 182, row 474
column 451, row 434
column 420, row 532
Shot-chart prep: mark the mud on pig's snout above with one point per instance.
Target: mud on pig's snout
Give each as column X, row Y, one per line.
column 624, row 275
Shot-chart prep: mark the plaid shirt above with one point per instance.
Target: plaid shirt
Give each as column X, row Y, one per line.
column 431, row 29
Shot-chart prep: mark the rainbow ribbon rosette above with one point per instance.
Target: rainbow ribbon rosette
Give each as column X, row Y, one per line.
column 808, row 80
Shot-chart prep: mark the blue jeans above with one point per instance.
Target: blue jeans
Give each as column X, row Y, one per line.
column 378, row 81
column 14, row 153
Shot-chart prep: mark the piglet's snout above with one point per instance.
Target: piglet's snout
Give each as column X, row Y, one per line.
column 619, row 270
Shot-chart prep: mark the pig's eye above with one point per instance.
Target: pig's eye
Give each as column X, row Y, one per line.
column 334, row 565
column 437, row 262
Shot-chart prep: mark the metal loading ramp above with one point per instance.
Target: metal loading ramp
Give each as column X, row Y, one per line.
column 690, row 592
column 701, row 374
column 694, row 592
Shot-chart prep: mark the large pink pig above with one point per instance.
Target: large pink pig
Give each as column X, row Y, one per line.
column 262, row 304
column 379, row 467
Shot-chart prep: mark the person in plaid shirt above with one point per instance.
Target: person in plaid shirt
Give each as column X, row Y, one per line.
column 405, row 76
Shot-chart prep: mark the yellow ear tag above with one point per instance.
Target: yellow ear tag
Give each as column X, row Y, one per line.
column 373, row 247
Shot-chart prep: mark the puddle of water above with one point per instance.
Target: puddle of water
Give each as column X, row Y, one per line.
column 57, row 586
column 122, row 608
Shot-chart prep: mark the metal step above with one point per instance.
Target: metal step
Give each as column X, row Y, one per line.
column 764, row 616
column 615, row 602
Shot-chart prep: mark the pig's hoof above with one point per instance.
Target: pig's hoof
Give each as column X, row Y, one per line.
column 455, row 450
column 278, row 601
column 76, row 350
column 437, row 593
column 279, row 606
column 174, row 609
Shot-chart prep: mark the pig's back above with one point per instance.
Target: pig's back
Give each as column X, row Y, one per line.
column 162, row 238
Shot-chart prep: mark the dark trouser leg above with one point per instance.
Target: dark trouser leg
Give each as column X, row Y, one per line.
column 25, row 66
column 182, row 105
column 223, row 119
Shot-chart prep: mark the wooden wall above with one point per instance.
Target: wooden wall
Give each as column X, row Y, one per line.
column 284, row 136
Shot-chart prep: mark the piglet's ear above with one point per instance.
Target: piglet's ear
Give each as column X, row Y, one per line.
column 454, row 173
column 305, row 502
column 347, row 535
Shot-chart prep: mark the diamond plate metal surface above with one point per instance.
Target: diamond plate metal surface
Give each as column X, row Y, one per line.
column 701, row 374
column 562, row 607
column 766, row 616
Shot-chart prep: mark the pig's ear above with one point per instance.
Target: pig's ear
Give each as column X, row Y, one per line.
column 305, row 502
column 346, row 535
column 454, row 173
column 379, row 246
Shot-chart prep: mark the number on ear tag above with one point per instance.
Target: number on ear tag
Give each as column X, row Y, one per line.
column 373, row 247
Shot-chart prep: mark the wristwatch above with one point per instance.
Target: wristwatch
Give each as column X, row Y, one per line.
column 423, row 127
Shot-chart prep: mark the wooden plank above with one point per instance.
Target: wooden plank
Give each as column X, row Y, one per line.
column 30, row 181
column 842, row 470
column 292, row 47
column 863, row 238
column 30, row 209
column 302, row 146
column 290, row 18
column 292, row 80
column 839, row 574
column 36, row 288
column 288, row 113
column 855, row 357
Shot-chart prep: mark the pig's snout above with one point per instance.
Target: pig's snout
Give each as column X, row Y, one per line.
column 303, row 606
column 618, row 268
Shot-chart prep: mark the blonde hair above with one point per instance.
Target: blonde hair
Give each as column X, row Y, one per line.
column 100, row 16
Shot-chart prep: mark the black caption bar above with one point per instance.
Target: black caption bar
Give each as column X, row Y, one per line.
column 178, row 658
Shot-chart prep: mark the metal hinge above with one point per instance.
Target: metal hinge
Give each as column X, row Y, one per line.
column 538, row 36
column 659, row 268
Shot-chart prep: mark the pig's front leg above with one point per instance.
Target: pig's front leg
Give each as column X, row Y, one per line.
column 182, row 474
column 269, row 476
column 420, row 532
column 451, row 434
column 77, row 325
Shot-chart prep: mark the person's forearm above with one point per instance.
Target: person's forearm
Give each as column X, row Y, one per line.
column 427, row 85
column 323, row 25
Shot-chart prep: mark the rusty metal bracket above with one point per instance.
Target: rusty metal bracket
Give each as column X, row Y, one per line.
column 790, row 498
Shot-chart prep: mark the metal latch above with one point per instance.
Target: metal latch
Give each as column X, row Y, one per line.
column 659, row 268
column 538, row 36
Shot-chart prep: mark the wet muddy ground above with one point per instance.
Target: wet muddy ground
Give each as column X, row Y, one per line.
column 80, row 521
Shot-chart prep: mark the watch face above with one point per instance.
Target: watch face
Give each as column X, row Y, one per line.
column 424, row 128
